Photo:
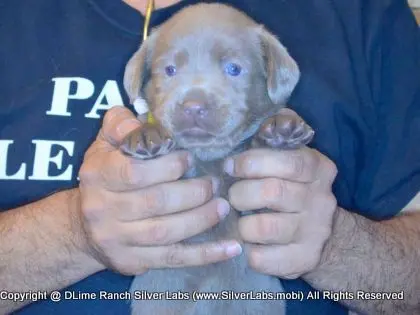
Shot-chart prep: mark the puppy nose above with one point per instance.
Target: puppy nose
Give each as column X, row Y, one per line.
column 195, row 109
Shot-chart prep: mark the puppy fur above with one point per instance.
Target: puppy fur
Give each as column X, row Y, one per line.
column 231, row 113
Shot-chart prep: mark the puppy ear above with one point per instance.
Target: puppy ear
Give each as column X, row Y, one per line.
column 137, row 70
column 281, row 69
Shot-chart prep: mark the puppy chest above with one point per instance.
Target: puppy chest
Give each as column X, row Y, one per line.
column 215, row 170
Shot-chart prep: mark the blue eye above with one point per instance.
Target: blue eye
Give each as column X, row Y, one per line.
column 170, row 71
column 233, row 69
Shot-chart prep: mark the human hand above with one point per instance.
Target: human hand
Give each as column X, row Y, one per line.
column 296, row 185
column 135, row 212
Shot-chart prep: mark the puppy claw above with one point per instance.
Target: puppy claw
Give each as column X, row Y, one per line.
column 147, row 142
column 284, row 131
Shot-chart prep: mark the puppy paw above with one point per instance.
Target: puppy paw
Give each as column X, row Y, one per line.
column 286, row 130
column 147, row 142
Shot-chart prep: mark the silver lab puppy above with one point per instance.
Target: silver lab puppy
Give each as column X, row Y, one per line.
column 216, row 82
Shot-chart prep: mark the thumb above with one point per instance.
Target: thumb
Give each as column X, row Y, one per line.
column 118, row 123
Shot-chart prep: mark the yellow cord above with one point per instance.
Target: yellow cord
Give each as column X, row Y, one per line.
column 149, row 9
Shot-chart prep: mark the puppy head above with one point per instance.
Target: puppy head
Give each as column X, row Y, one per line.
column 211, row 75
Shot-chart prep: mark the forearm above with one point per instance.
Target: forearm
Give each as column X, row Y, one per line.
column 42, row 247
column 363, row 255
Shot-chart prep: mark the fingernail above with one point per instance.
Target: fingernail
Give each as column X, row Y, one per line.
column 223, row 209
column 233, row 249
column 115, row 112
column 229, row 166
column 126, row 126
column 215, row 182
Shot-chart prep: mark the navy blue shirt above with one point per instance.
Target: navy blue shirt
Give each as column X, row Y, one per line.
column 61, row 68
